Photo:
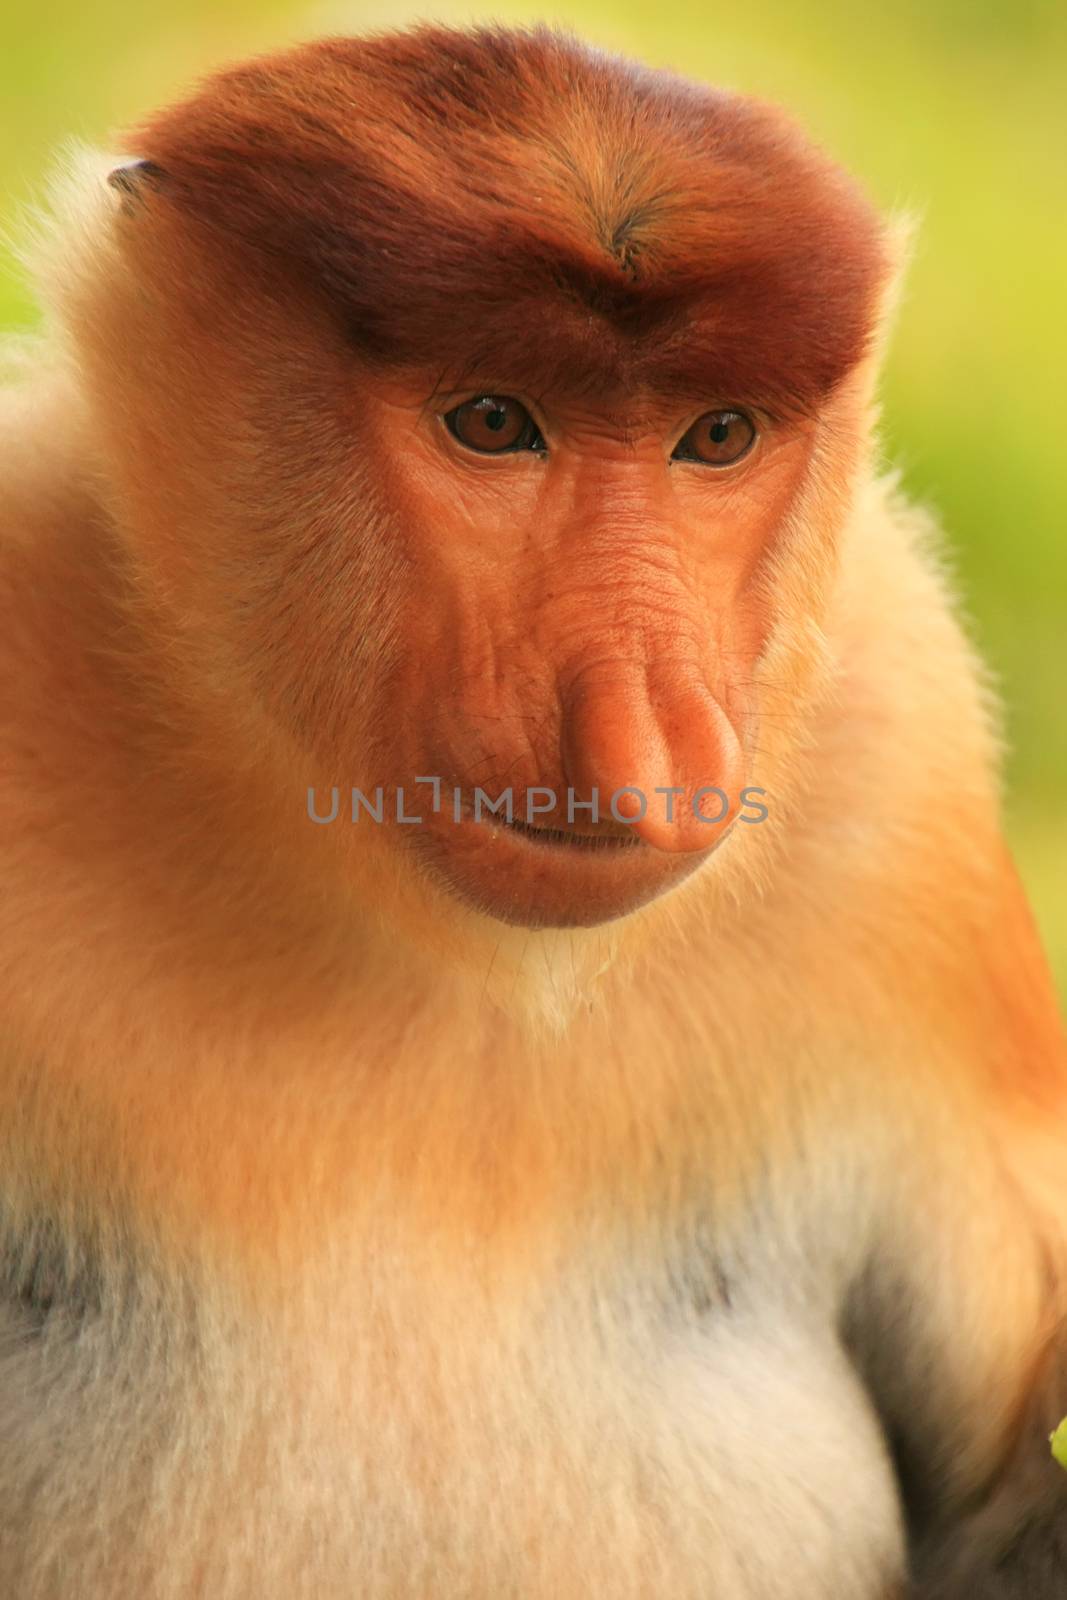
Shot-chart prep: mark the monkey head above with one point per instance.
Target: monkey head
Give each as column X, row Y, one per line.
column 489, row 413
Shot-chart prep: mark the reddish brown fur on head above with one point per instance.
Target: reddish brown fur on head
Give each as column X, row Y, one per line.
column 434, row 182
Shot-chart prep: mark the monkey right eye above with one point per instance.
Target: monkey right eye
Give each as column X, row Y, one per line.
column 494, row 425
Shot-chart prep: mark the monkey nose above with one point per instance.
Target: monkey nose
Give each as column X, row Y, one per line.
column 657, row 749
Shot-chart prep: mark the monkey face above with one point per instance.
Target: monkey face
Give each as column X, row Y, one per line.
column 583, row 615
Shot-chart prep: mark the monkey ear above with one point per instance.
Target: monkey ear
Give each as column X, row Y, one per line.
column 133, row 177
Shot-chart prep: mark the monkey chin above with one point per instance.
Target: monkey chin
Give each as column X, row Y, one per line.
column 547, row 877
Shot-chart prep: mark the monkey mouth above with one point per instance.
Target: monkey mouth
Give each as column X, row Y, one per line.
column 572, row 838
column 603, row 834
column 547, row 874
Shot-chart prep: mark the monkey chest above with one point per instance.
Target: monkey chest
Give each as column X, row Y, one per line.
column 740, row 1463
column 449, row 1451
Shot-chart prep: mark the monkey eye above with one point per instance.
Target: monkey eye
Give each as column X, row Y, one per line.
column 718, row 439
column 494, row 424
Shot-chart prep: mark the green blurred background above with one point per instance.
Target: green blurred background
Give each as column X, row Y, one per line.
column 955, row 109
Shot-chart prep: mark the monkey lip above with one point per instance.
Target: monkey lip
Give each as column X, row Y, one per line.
column 534, row 875
column 548, row 837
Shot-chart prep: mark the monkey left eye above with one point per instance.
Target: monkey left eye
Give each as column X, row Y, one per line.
column 718, row 439
column 493, row 425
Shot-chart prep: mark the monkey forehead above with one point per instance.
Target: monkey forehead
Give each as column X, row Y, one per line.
column 454, row 193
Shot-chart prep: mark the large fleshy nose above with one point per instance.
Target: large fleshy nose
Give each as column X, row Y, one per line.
column 657, row 732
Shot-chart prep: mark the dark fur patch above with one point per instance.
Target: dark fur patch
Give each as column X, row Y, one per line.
column 46, row 1282
column 509, row 201
column 1013, row 1545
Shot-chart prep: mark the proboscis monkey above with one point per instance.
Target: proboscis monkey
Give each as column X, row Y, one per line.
column 405, row 1201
